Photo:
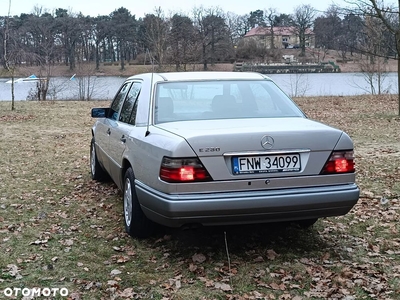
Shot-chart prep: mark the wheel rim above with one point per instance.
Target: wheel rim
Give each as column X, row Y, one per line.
column 93, row 160
column 128, row 202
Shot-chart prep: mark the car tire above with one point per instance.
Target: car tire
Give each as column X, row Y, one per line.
column 96, row 170
column 136, row 223
column 307, row 223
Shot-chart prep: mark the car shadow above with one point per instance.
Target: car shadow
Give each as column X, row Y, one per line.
column 240, row 239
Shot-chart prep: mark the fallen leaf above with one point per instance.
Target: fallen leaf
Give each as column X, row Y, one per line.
column 258, row 259
column 223, row 286
column 127, row 293
column 271, row 254
column 38, row 242
column 115, row 272
column 199, row 258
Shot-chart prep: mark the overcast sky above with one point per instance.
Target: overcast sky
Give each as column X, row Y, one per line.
column 140, row 7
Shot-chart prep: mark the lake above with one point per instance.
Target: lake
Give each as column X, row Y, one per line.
column 310, row 84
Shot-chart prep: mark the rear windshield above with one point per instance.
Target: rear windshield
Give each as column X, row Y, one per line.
column 210, row 100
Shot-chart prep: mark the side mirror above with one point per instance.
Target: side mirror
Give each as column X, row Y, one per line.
column 99, row 112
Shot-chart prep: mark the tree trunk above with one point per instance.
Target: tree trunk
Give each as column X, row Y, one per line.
column 204, row 58
column 122, row 54
column 97, row 56
column 398, row 67
column 12, row 92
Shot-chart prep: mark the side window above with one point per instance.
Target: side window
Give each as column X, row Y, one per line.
column 118, row 100
column 128, row 112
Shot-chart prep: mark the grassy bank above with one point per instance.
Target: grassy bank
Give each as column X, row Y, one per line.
column 59, row 229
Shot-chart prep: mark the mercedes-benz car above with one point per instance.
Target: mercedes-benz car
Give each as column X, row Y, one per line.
column 218, row 148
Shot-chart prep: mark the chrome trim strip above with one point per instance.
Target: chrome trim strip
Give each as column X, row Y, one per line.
column 266, row 152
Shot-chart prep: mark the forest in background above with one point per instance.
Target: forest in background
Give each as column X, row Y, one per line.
column 206, row 36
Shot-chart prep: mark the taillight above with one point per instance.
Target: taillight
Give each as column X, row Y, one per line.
column 339, row 162
column 183, row 170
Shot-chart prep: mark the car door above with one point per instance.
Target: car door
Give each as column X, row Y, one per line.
column 106, row 127
column 121, row 129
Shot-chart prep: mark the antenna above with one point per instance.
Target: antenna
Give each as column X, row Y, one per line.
column 151, row 94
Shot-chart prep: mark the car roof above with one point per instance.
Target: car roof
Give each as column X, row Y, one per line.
column 203, row 75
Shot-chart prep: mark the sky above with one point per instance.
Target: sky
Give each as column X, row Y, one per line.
column 142, row 7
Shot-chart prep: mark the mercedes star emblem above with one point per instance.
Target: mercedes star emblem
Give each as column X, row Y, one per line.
column 267, row 142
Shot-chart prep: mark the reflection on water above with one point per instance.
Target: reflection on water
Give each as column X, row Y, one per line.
column 104, row 88
column 332, row 84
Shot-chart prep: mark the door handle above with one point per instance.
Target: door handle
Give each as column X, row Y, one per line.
column 108, row 131
column 123, row 139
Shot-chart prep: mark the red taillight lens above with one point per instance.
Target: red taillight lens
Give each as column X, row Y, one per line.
column 183, row 170
column 339, row 162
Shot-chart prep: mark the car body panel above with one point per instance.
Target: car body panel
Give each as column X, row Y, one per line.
column 247, row 207
column 229, row 197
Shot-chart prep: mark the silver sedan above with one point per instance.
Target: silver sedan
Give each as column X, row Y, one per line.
column 218, row 148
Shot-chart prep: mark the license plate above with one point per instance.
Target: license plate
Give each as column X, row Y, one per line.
column 266, row 164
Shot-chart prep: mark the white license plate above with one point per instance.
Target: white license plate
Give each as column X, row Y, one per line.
column 266, row 164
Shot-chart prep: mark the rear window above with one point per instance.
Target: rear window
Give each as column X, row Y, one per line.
column 210, row 100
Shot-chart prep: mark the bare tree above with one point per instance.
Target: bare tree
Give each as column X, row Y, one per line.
column 303, row 19
column 199, row 15
column 271, row 20
column 374, row 68
column 213, row 35
column 390, row 17
column 299, row 85
column 238, row 26
column 157, row 32
column 45, row 50
column 7, row 59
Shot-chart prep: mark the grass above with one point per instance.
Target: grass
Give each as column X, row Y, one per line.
column 60, row 229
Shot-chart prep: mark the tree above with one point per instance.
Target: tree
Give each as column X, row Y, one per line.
column 123, row 24
column 352, row 26
column 327, row 29
column 303, row 18
column 7, row 61
column 181, row 40
column 283, row 20
column 39, row 31
column 390, row 18
column 271, row 21
column 218, row 37
column 238, row 26
column 156, row 34
column 212, row 35
column 102, row 28
column 68, row 34
column 256, row 18
column 374, row 46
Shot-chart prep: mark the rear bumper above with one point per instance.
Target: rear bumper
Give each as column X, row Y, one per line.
column 247, row 207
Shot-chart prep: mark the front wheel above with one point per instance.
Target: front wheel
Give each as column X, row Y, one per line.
column 136, row 222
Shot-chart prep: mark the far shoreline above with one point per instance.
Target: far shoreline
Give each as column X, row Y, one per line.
column 114, row 69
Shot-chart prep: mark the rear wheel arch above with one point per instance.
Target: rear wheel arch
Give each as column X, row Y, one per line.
column 136, row 222
column 126, row 164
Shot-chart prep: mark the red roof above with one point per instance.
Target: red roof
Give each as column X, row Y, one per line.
column 277, row 31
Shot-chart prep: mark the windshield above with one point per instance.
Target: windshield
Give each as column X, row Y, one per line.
column 210, row 100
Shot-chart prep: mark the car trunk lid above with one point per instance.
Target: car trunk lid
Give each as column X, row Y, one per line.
column 219, row 142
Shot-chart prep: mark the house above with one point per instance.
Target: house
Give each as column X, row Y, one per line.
column 284, row 37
